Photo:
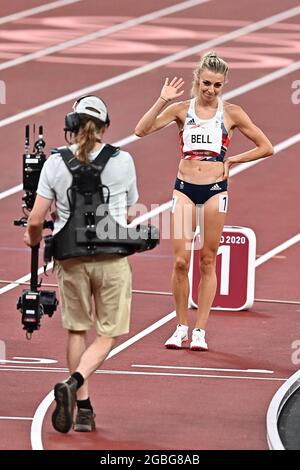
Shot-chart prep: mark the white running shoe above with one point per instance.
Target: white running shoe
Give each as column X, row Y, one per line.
column 178, row 338
column 198, row 342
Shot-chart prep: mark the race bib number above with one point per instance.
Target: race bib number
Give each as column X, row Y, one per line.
column 174, row 202
column 223, row 202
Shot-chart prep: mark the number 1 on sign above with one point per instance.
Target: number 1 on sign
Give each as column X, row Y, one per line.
column 224, row 251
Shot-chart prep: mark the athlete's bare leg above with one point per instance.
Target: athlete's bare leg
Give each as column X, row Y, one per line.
column 212, row 231
column 183, row 228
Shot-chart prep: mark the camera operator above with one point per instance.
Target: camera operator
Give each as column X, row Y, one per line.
column 105, row 277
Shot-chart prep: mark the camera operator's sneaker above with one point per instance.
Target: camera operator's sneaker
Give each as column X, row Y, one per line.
column 198, row 342
column 178, row 338
column 65, row 397
column 84, row 421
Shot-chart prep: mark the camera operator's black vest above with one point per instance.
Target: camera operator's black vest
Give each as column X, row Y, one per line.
column 90, row 229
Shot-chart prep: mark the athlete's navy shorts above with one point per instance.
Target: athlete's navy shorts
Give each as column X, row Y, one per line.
column 200, row 193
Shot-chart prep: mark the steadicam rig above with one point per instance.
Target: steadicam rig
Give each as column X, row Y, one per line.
column 34, row 303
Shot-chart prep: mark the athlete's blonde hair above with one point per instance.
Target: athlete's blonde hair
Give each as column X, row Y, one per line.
column 209, row 61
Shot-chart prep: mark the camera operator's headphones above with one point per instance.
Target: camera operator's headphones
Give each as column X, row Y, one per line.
column 93, row 107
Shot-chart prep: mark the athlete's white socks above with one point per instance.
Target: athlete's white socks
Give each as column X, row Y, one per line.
column 183, row 328
column 200, row 330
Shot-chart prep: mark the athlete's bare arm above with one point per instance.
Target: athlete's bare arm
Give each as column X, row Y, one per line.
column 240, row 120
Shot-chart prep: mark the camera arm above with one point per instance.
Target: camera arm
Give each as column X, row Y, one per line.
column 34, row 267
column 33, row 303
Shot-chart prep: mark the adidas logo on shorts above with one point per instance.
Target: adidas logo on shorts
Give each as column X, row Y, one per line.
column 215, row 187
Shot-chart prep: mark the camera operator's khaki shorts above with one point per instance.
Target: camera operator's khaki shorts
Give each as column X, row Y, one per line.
column 105, row 277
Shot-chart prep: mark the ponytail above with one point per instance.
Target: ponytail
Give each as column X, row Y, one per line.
column 86, row 138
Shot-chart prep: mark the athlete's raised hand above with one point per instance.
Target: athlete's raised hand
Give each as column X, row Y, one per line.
column 172, row 90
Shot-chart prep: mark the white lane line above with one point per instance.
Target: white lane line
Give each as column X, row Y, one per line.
column 231, row 94
column 19, row 368
column 142, row 334
column 32, row 369
column 2, row 350
column 101, row 33
column 295, row 139
column 36, row 10
column 27, row 360
column 256, row 371
column 29, row 367
column 37, row 422
column 11, row 191
column 126, row 372
column 278, row 249
column 150, row 215
column 154, row 65
column 19, row 418
column 270, row 77
column 23, row 279
column 170, row 374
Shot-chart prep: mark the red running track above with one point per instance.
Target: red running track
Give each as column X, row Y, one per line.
column 138, row 406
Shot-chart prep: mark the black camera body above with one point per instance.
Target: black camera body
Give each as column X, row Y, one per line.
column 32, row 166
column 34, row 303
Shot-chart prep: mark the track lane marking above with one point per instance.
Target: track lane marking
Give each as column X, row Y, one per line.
column 257, row 371
column 154, row 65
column 22, row 279
column 19, row 418
column 290, row 141
column 171, row 374
column 130, row 372
column 26, row 361
column 11, row 191
column 278, row 249
column 36, row 10
column 101, row 33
